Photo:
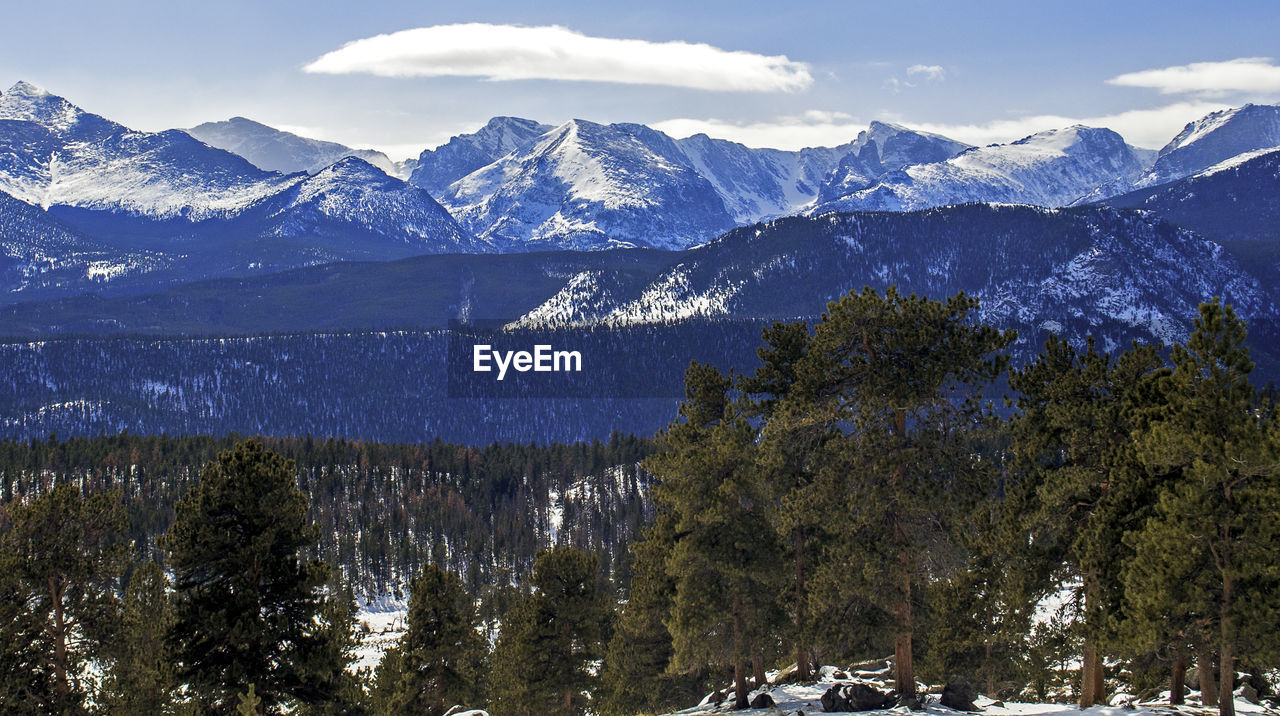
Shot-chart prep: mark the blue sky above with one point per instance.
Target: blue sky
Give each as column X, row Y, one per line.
column 768, row 73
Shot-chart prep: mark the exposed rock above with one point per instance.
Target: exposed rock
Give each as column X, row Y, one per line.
column 1248, row 693
column 911, row 701
column 762, row 701
column 854, row 697
column 959, row 694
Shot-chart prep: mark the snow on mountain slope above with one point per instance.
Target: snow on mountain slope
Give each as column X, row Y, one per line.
column 1053, row 168
column 435, row 169
column 353, row 195
column 586, row 186
column 881, row 148
column 279, row 151
column 1091, row 270
column 1215, row 138
column 760, row 183
column 39, row 255
column 58, row 154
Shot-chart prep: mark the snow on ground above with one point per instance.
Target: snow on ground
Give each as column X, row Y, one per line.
column 380, row 624
column 793, row 699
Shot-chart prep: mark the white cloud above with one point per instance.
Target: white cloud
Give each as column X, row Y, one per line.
column 930, row 72
column 1151, row 128
column 814, row 128
column 1244, row 74
column 511, row 52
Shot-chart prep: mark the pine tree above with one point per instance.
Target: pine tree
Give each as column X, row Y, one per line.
column 1209, row 551
column 441, row 656
column 790, row 444
column 141, row 678
column 1076, row 487
column 64, row 555
column 899, row 376
column 725, row 551
column 636, row 676
column 25, row 683
column 543, row 660
column 247, row 601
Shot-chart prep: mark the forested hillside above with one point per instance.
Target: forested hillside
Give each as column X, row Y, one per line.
column 384, row 509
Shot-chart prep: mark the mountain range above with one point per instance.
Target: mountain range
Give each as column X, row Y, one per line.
column 652, row 248
column 92, row 206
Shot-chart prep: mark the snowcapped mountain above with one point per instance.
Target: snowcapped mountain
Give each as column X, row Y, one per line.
column 58, row 154
column 353, row 198
column 1235, row 203
column 437, row 168
column 279, row 151
column 41, row 256
column 882, row 148
column 165, row 208
column 1115, row 274
column 1054, row 168
column 1215, row 138
column 760, row 183
column 587, row 186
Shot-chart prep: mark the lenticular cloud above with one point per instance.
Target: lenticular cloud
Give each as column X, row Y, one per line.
column 510, row 52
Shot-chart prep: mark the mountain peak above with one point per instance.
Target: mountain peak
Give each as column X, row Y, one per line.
column 27, row 102
column 1215, row 138
column 24, row 88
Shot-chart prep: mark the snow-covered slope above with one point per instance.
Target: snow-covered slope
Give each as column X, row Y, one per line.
column 355, row 196
column 437, row 168
column 41, row 256
column 278, row 151
column 1053, row 168
column 1118, row 275
column 1215, row 138
column 760, row 183
column 57, row 154
column 882, row 148
column 587, row 186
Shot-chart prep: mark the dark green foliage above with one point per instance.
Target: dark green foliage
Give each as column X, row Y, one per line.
column 1076, row 485
column 724, row 556
column 61, row 558
column 246, row 598
column 1206, row 558
column 441, row 658
column 542, row 662
column 141, row 677
column 25, row 679
column 635, row 677
column 899, row 378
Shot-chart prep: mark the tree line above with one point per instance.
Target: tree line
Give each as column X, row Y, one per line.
column 860, row 493
column 857, row 495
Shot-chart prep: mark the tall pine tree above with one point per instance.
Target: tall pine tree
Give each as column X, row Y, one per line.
column 900, row 377
column 1075, row 488
column 441, row 656
column 1212, row 542
column 64, row 555
column 725, row 552
column 247, row 600
column 141, row 678
column 543, row 662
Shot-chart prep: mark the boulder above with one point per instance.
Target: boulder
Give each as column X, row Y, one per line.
column 762, row 701
column 959, row 694
column 911, row 701
column 1248, row 693
column 842, row 698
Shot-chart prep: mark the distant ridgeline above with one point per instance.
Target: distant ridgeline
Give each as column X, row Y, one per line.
column 384, row 510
